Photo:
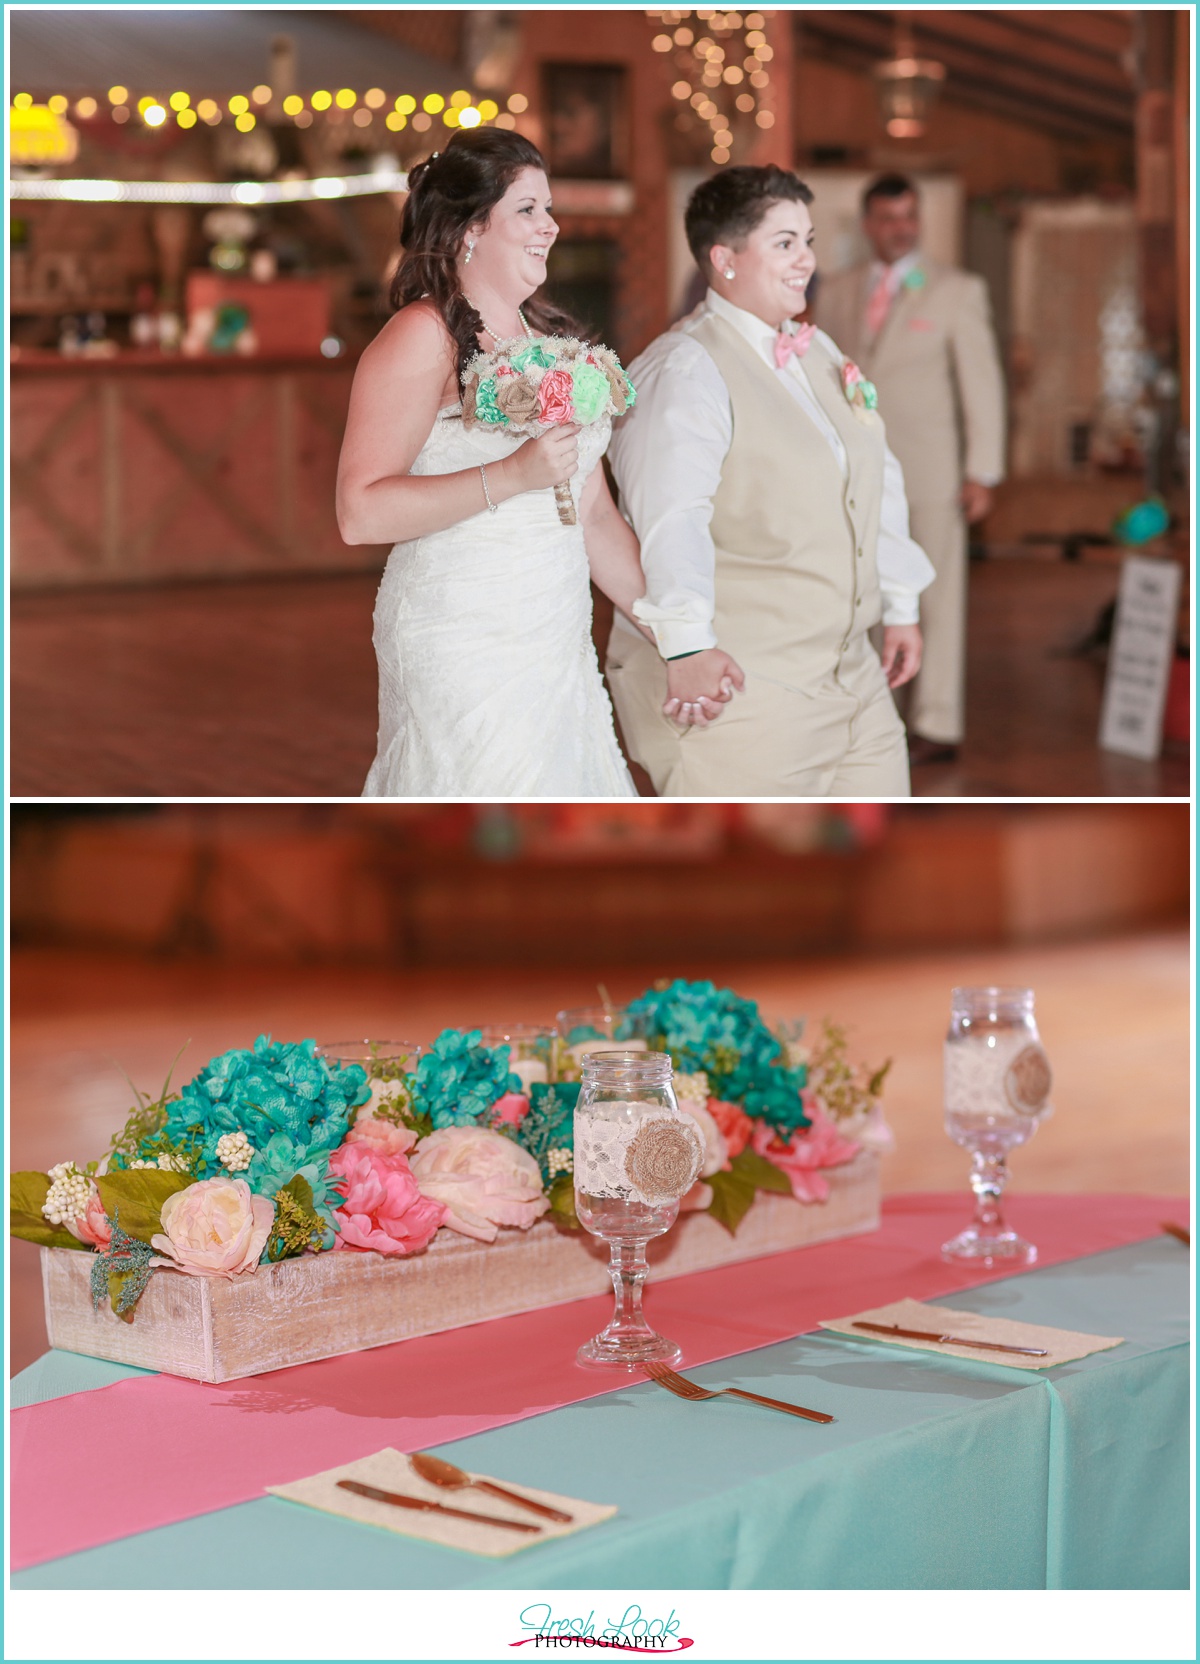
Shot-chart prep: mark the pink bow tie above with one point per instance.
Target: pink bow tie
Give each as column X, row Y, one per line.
column 786, row 345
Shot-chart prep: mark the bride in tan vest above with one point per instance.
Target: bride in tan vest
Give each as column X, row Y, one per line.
column 773, row 528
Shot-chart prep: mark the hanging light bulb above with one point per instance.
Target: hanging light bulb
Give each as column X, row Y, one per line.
column 907, row 86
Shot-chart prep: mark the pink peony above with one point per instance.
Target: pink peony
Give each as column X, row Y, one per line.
column 808, row 1149
column 735, row 1125
column 555, row 397
column 513, row 1107
column 93, row 1226
column 215, row 1228
column 484, row 1179
column 384, row 1137
column 382, row 1208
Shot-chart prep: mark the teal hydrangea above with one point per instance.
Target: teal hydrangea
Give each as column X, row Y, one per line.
column 273, row 1088
column 280, row 1161
column 459, row 1079
column 486, row 408
column 713, row 1030
column 590, row 392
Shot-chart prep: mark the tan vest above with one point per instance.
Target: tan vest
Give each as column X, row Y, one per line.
column 796, row 580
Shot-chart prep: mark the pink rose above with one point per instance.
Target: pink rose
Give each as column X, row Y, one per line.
column 484, row 1179
column 513, row 1107
column 735, row 1125
column 555, row 397
column 382, row 1207
column 384, row 1137
column 93, row 1224
column 808, row 1149
column 215, row 1228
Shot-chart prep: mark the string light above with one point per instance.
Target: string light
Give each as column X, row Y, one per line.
column 458, row 110
column 721, row 58
column 249, row 193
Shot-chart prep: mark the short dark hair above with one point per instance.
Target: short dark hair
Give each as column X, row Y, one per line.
column 727, row 207
column 888, row 185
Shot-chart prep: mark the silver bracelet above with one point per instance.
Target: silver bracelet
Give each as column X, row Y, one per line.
column 487, row 496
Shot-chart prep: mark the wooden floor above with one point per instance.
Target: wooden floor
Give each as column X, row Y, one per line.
column 267, row 688
column 1114, row 1016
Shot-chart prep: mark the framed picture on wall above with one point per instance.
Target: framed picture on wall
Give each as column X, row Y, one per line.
column 587, row 121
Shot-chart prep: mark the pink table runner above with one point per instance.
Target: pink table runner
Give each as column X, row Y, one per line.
column 212, row 1446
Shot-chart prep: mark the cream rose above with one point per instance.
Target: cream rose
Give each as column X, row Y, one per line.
column 716, row 1150
column 216, row 1228
column 482, row 1178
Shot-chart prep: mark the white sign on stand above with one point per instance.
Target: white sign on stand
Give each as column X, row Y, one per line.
column 1139, row 663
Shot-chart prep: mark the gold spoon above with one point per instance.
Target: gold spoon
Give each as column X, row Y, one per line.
column 439, row 1472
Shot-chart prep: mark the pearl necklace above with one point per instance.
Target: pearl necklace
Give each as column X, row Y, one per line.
column 495, row 334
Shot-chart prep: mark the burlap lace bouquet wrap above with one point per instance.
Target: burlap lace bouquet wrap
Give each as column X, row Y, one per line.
column 529, row 386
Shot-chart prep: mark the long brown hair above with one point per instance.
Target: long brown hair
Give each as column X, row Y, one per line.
column 453, row 190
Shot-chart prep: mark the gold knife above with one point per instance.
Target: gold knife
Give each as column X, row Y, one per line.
column 398, row 1501
column 950, row 1340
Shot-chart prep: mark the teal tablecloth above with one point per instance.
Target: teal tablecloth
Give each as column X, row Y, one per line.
column 938, row 1474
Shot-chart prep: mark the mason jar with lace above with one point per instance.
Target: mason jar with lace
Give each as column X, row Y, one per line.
column 996, row 1091
column 636, row 1154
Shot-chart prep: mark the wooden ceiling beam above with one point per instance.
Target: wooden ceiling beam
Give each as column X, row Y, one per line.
column 1008, row 35
column 1032, row 94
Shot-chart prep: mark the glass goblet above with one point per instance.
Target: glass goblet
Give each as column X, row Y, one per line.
column 997, row 1089
column 589, row 1028
column 636, row 1155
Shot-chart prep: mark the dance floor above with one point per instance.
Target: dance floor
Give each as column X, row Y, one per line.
column 267, row 688
column 1114, row 1016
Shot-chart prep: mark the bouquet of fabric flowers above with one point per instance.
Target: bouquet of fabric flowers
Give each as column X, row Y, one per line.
column 275, row 1151
column 528, row 386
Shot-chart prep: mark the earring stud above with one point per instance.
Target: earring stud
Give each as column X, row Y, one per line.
column 729, row 275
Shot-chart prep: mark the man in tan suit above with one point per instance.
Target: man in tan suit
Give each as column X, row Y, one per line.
column 773, row 531
column 923, row 334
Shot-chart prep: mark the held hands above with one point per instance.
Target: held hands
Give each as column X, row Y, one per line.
column 548, row 461
column 699, row 687
column 901, row 656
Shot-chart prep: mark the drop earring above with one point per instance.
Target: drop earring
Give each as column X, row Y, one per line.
column 468, row 254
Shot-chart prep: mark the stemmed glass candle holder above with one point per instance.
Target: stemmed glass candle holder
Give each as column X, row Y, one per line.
column 997, row 1089
column 530, row 1049
column 636, row 1155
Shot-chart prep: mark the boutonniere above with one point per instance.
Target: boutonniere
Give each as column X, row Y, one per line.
column 860, row 393
column 914, row 279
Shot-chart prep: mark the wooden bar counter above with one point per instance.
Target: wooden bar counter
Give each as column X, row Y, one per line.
column 147, row 467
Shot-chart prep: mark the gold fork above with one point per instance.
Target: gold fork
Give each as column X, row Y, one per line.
column 684, row 1388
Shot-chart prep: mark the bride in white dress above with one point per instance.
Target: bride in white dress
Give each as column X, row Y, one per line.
column 488, row 681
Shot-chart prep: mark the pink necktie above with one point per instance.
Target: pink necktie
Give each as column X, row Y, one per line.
column 877, row 305
column 786, row 345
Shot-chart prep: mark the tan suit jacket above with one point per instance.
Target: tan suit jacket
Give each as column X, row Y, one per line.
column 935, row 364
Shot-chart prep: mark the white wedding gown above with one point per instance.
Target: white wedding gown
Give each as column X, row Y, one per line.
column 488, row 682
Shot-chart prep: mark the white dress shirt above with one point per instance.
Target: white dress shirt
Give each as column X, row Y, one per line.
column 667, row 455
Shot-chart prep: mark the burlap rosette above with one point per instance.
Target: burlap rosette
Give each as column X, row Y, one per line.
column 664, row 1158
column 1027, row 1081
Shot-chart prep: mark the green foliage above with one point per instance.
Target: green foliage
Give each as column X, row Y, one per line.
column 733, row 1190
column 139, row 1193
column 121, row 1272
column 562, row 1202
column 761, row 1173
column 840, row 1085
column 298, row 1225
column 147, row 1117
column 26, row 1193
column 733, row 1197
